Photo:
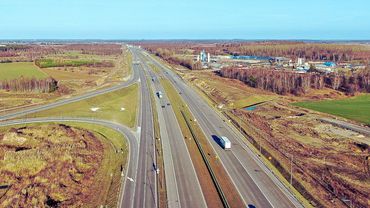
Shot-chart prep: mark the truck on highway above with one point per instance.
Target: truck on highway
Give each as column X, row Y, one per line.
column 225, row 142
column 159, row 94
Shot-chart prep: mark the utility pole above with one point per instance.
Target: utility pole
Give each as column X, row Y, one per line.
column 346, row 201
column 291, row 169
column 260, row 146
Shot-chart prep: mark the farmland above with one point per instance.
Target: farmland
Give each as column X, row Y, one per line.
column 46, row 63
column 355, row 108
column 73, row 164
column 77, row 68
column 10, row 71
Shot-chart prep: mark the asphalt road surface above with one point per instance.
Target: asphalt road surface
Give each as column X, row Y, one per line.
column 133, row 79
column 146, row 188
column 182, row 184
column 255, row 183
column 140, row 190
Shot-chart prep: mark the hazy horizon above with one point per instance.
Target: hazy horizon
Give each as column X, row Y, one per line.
column 190, row 20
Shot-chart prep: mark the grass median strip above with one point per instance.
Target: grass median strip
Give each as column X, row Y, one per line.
column 161, row 182
column 204, row 176
column 119, row 106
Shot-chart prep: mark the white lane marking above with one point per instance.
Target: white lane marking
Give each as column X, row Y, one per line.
column 138, row 132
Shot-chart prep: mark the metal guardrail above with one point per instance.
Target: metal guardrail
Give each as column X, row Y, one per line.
column 213, row 176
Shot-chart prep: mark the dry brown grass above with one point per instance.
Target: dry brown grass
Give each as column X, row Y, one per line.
column 329, row 163
column 57, row 165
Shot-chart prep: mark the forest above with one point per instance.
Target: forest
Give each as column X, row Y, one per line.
column 309, row 51
column 22, row 84
column 96, row 49
column 29, row 53
column 170, row 57
column 337, row 52
column 287, row 82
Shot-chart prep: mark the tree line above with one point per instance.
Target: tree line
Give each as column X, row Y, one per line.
column 97, row 49
column 287, row 82
column 23, row 84
column 336, row 52
column 312, row 51
column 170, row 57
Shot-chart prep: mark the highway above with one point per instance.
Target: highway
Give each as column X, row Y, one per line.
column 182, row 184
column 146, row 188
column 255, row 183
column 142, row 190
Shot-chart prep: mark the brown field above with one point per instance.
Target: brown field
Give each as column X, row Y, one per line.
column 72, row 80
column 330, row 163
column 57, row 165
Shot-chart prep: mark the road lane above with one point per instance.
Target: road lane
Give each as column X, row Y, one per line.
column 184, row 188
column 253, row 180
column 141, row 191
column 146, row 189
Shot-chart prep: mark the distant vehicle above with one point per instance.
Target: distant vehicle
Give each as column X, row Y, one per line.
column 163, row 106
column 160, row 94
column 168, row 103
column 225, row 142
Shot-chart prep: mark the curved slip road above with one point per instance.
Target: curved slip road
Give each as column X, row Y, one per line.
column 141, row 191
column 127, row 187
column 133, row 79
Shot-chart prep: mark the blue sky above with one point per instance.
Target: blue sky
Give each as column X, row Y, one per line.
column 186, row 19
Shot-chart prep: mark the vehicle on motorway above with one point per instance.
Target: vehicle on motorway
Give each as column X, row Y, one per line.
column 159, row 94
column 225, row 142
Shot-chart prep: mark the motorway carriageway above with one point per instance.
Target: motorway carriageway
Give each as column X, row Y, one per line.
column 254, row 181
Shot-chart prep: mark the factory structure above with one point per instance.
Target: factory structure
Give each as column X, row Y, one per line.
column 204, row 57
column 299, row 65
